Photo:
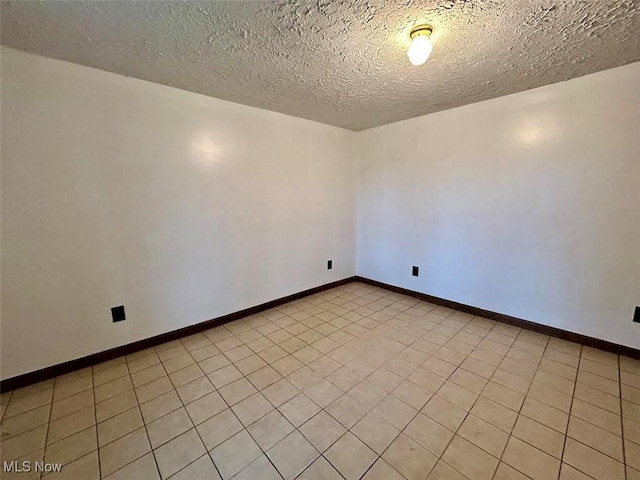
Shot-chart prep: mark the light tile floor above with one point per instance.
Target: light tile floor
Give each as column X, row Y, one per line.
column 355, row 382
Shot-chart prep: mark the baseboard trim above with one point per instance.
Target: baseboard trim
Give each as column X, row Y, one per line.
column 518, row 322
column 93, row 359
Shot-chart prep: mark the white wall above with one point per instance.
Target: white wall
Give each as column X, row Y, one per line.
column 179, row 206
column 528, row 205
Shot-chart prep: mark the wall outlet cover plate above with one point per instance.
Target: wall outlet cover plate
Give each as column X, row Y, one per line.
column 117, row 314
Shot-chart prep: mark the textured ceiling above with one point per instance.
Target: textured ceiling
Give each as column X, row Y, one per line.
column 341, row 62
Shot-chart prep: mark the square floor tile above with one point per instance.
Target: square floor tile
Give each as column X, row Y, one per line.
column 153, row 389
column 375, row 432
column 411, row 394
column 234, row 454
column 186, row 375
column 201, row 469
column 205, row 407
column 74, row 423
column 350, row 456
column 24, row 422
column 70, row 448
column 426, row 379
column 595, row 415
column 442, row 471
column 160, row 406
column 86, row 467
column 123, row 451
column 287, row 365
column 324, row 366
column 292, row 455
column 323, row 393
column 547, row 415
column 113, row 406
column 395, row 411
column 484, row 435
column 429, row 433
column 272, row 354
column 344, row 379
column 237, row 391
column 144, row 468
column 264, row 377
column 596, row 437
column 307, row 354
column 24, row 443
column 304, row 378
column 280, row 392
column 113, row 388
column 168, row 427
column 299, row 409
column 322, row 431
column 119, row 426
column 250, row 364
column 503, row 396
column 194, row 390
column 592, row 462
column 238, row 353
column 252, row 408
column 148, row 374
column 381, row 470
column 409, row 458
column 213, row 364
column 347, row 410
column 320, row 469
column 540, row 436
column 444, row 412
column 219, row 428
column 459, row 396
column 530, row 461
column 261, row 468
column 67, row 406
column 470, row 460
column 270, row 429
column 224, row 376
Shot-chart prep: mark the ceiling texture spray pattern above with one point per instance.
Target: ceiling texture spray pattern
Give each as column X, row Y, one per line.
column 341, row 62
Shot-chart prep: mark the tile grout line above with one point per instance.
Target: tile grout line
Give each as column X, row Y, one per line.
column 144, row 425
column 566, row 432
column 46, row 437
column 624, row 449
column 95, row 417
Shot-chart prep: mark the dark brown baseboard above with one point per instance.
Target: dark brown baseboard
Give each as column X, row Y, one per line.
column 518, row 322
column 93, row 359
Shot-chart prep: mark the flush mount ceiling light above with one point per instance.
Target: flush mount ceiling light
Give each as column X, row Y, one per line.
column 421, row 46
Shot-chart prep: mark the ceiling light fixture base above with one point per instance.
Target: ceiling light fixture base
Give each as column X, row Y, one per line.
column 425, row 30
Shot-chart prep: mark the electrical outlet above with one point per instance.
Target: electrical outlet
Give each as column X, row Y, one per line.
column 329, row 264
column 415, row 271
column 636, row 315
column 117, row 314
